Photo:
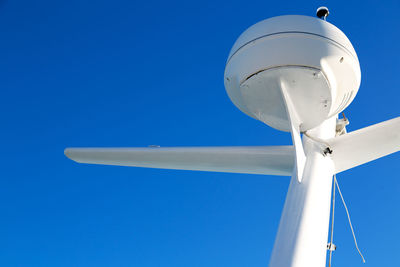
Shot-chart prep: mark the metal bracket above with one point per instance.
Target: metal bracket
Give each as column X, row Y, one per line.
column 341, row 126
column 327, row 151
column 331, row 247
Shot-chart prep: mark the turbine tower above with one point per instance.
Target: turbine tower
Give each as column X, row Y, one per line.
column 295, row 74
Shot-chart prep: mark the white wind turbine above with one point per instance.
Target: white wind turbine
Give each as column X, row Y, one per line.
column 294, row 73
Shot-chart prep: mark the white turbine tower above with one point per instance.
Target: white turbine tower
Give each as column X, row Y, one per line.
column 294, row 73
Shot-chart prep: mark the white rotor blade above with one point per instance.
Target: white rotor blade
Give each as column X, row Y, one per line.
column 270, row 160
column 364, row 145
column 295, row 131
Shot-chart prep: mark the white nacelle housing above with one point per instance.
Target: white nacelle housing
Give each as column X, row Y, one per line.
column 311, row 58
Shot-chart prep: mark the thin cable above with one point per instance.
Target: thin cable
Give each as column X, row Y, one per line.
column 332, row 222
column 348, row 217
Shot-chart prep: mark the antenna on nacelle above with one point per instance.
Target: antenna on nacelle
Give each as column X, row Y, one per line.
column 322, row 12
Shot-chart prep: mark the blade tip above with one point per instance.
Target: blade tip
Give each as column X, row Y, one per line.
column 68, row 152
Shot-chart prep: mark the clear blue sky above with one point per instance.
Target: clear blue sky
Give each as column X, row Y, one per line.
column 136, row 73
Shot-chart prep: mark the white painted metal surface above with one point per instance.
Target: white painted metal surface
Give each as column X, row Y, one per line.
column 298, row 42
column 271, row 160
column 294, row 73
column 294, row 117
column 303, row 230
column 364, row 145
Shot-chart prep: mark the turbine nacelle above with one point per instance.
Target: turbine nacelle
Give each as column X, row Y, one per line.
column 301, row 59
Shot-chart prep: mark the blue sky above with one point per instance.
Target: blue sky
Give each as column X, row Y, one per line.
column 137, row 73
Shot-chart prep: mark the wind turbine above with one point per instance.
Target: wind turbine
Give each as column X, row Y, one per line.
column 294, row 73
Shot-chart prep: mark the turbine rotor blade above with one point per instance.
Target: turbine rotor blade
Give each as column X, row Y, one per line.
column 364, row 145
column 270, row 160
column 300, row 157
